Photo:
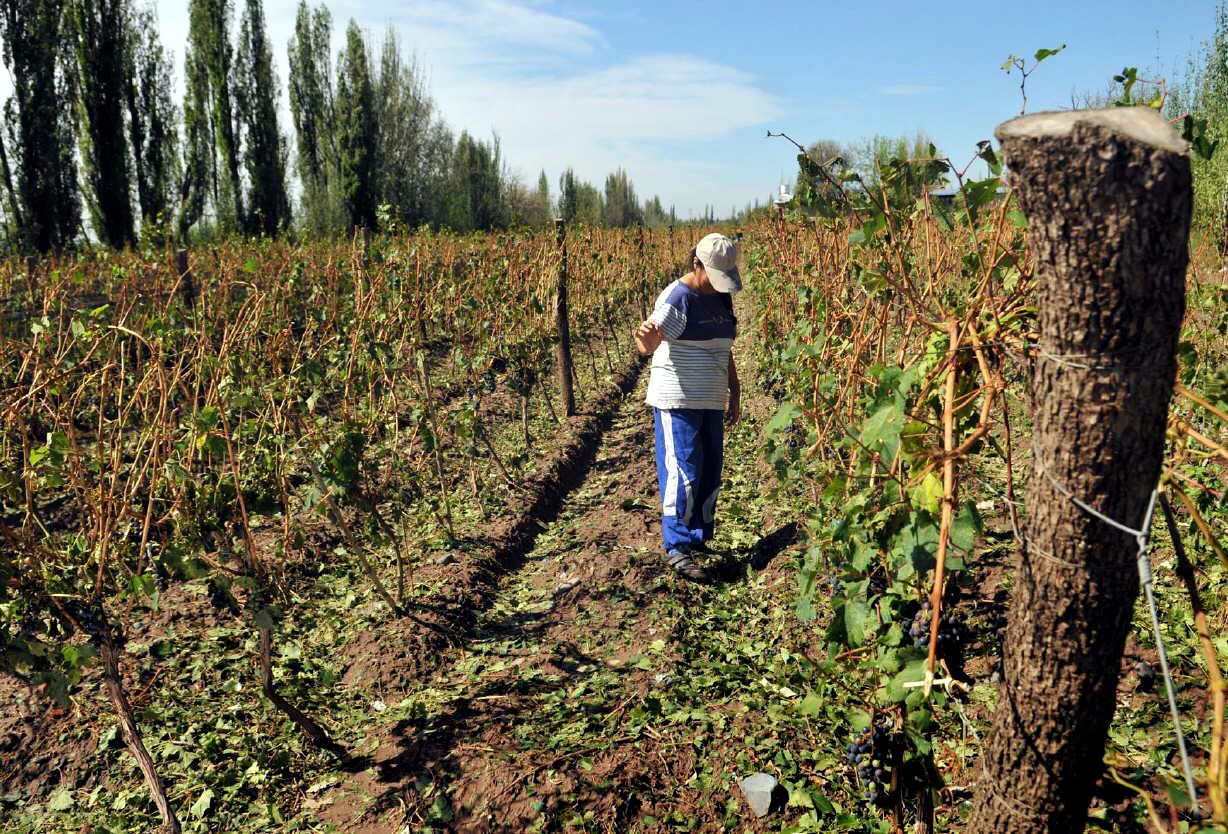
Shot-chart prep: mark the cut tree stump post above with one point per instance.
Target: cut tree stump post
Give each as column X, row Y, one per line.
column 1107, row 196
column 567, row 396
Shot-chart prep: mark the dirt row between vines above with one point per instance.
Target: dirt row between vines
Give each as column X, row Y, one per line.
column 523, row 723
column 43, row 746
column 388, row 658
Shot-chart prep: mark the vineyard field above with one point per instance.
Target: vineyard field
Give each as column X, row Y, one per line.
column 313, row 519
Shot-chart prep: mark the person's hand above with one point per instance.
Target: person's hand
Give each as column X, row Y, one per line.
column 734, row 412
column 648, row 337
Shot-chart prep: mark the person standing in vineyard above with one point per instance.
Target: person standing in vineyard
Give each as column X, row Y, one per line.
column 693, row 390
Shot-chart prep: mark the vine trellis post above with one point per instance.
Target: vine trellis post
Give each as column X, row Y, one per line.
column 567, row 395
column 1107, row 195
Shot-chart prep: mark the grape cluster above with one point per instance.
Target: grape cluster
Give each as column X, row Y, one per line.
column 871, row 752
column 919, row 629
column 771, row 387
column 488, row 380
column 878, row 581
column 833, row 585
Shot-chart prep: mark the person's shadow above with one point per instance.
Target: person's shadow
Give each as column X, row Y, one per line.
column 735, row 566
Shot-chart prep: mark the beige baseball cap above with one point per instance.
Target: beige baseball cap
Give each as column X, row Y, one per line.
column 720, row 259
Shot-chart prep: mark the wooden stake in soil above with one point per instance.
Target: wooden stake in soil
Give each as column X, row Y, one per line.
column 567, row 397
column 104, row 637
column 1107, row 194
column 187, row 285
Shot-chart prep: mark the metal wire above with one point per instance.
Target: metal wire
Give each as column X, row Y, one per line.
column 1142, row 538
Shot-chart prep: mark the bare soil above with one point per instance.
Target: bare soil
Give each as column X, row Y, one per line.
column 581, row 613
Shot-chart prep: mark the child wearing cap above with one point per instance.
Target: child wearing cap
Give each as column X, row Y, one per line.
column 693, row 390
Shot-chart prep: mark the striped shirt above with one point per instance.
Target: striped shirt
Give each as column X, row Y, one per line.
column 690, row 369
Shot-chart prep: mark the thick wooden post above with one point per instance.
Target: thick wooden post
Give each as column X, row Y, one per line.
column 1107, row 195
column 567, row 396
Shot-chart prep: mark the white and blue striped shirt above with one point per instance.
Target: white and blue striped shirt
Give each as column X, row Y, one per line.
column 690, row 369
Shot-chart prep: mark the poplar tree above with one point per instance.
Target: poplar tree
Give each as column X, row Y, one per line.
column 97, row 31
column 311, row 107
column 477, row 187
column 405, row 115
column 542, row 211
column 41, row 176
column 356, row 130
column 199, row 158
column 152, row 129
column 256, row 94
column 568, row 199
column 212, row 169
column 622, row 207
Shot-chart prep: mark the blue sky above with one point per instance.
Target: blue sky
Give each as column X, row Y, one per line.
column 680, row 94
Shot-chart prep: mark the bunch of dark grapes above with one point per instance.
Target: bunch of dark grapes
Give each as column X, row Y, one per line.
column 488, row 380
column 919, row 629
column 871, row 751
column 833, row 585
column 878, row 581
column 771, row 387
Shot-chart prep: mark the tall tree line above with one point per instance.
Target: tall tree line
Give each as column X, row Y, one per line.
column 94, row 147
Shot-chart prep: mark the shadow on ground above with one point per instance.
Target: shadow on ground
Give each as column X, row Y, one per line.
column 760, row 555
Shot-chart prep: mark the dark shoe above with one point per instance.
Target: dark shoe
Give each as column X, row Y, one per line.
column 682, row 564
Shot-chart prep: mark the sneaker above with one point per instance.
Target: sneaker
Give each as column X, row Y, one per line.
column 682, row 564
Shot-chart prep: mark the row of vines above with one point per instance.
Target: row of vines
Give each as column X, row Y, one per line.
column 901, row 330
column 229, row 416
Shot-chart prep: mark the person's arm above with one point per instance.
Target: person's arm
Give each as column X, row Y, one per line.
column 734, row 412
column 648, row 337
column 666, row 322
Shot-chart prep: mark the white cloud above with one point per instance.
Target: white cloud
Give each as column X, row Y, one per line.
column 548, row 85
column 497, row 22
column 553, row 108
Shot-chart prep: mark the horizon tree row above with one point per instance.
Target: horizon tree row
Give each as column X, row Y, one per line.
column 94, row 147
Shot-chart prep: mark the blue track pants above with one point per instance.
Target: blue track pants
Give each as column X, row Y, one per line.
column 689, row 456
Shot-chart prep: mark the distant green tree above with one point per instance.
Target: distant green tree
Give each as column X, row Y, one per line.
column 212, row 175
column 477, row 187
column 97, row 32
column 871, row 157
column 152, row 129
column 312, row 110
column 356, row 130
column 256, row 93
column 590, row 210
column 621, row 208
column 409, row 165
column 542, row 207
column 654, row 213
column 43, row 192
column 568, row 196
column 199, row 179
column 579, row 201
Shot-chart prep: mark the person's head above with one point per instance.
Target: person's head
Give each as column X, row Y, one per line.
column 715, row 258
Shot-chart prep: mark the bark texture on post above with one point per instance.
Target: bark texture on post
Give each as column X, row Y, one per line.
column 1107, row 195
column 567, row 396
